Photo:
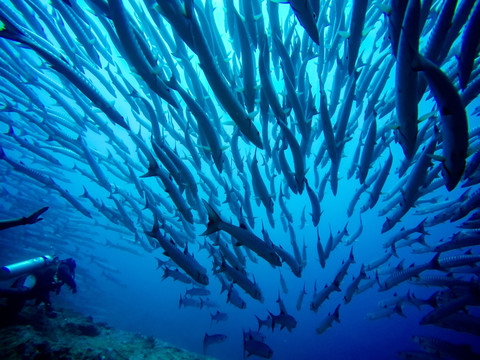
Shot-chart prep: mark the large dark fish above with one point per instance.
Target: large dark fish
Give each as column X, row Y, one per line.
column 242, row 235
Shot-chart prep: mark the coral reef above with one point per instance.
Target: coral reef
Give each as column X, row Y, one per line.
column 72, row 336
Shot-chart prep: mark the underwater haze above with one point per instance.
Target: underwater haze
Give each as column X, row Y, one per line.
column 300, row 177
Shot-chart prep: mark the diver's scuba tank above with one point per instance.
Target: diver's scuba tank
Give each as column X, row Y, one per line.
column 25, row 267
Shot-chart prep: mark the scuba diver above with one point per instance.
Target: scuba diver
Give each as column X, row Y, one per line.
column 36, row 278
column 30, row 219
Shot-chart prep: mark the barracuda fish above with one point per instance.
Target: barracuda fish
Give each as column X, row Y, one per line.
column 203, row 123
column 300, row 298
column 445, row 348
column 284, row 320
column 209, row 340
column 406, row 80
column 317, row 87
column 412, row 271
column 411, row 190
column 242, row 235
column 289, row 259
column 352, row 288
column 328, row 321
column 197, row 291
column 12, row 32
column 359, row 11
column 256, row 347
column 327, row 125
column 240, row 278
column 320, row 297
column 320, row 251
column 344, row 269
column 172, row 190
column 470, row 42
column 131, row 40
column 82, row 33
column 386, row 312
column 453, row 119
column 297, row 156
column 402, row 234
column 219, row 316
column 102, row 180
column 187, row 27
column 71, row 199
column 307, row 17
column 467, row 259
column 259, row 185
column 367, row 152
column 461, row 322
column 26, row 170
column 183, row 259
column 450, row 308
column 289, row 177
column 234, row 298
column 247, row 64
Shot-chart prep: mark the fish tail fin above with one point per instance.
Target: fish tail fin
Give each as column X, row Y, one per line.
column 394, row 250
column 336, row 314
column 159, row 263
column 259, row 323
column 152, row 170
column 273, row 320
column 155, row 228
column 434, row 262
column 421, row 227
column 422, row 240
column 10, row 131
column 85, row 193
column 363, row 274
column 165, row 273
column 213, row 219
column 2, row 153
column 399, row 311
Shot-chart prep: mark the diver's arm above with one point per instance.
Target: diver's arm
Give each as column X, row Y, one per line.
column 5, row 224
column 31, row 219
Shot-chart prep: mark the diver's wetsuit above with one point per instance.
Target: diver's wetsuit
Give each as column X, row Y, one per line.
column 37, row 286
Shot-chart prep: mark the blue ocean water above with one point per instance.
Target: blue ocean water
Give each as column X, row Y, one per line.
column 117, row 275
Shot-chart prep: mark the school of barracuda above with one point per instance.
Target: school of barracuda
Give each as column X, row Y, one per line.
column 185, row 127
